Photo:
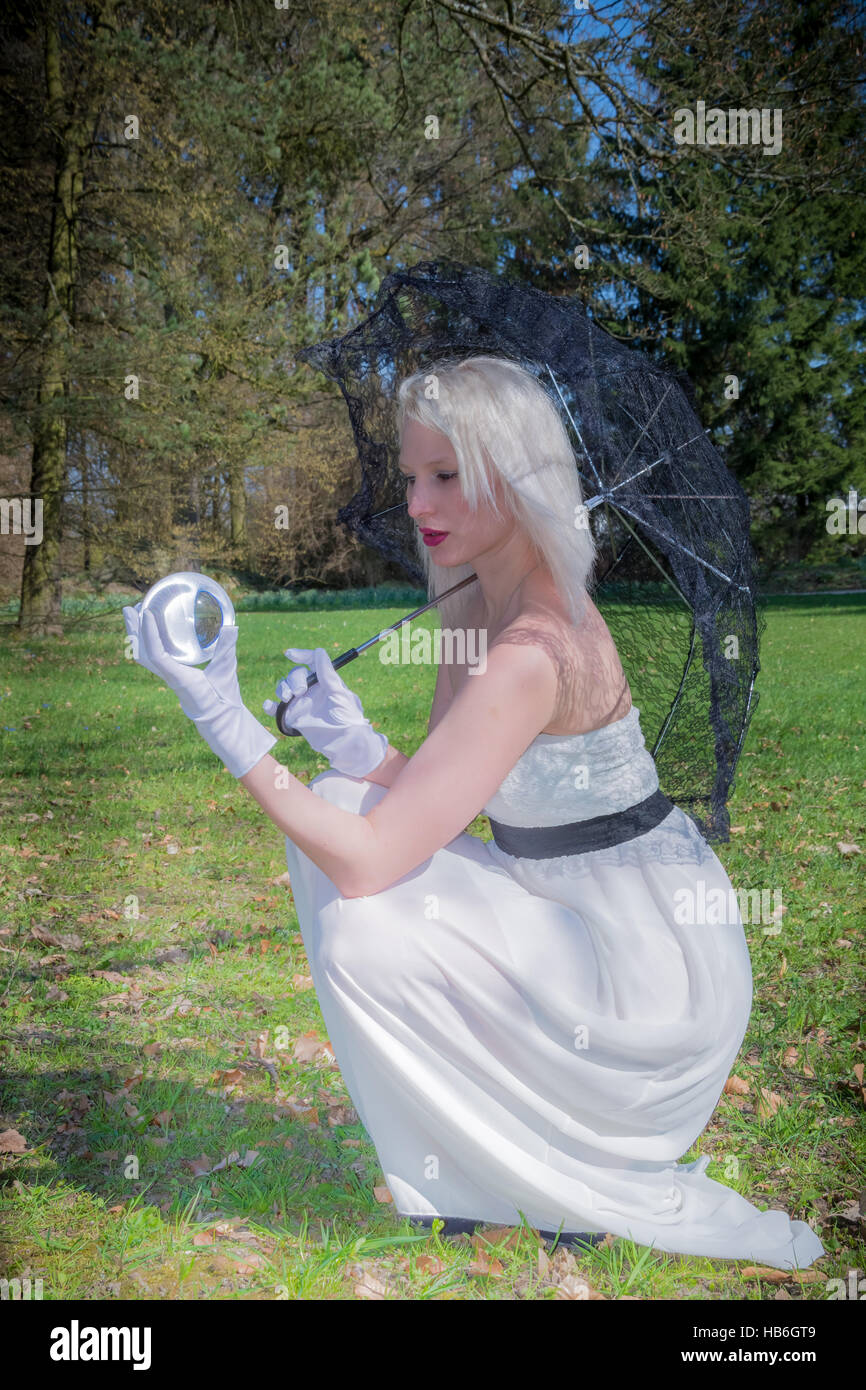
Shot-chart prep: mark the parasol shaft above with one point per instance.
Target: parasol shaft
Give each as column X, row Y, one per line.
column 353, row 652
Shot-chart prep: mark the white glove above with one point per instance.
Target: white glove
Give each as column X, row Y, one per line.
column 330, row 717
column 211, row 698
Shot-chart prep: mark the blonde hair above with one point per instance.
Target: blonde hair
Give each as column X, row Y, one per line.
column 497, row 416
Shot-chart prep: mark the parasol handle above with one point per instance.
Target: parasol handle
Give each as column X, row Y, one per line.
column 354, row 652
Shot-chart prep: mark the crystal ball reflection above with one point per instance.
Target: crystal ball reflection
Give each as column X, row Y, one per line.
column 190, row 611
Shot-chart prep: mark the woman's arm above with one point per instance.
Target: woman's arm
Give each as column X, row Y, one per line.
column 389, row 768
column 461, row 764
column 337, row 841
column 393, row 763
column 438, row 792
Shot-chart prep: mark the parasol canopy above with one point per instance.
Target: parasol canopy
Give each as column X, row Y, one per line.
column 676, row 577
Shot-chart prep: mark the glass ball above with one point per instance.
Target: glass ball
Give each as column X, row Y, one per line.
column 190, row 611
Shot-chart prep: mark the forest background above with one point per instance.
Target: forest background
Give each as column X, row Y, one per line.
column 193, row 193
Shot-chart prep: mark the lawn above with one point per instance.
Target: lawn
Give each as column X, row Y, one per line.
column 174, row 1122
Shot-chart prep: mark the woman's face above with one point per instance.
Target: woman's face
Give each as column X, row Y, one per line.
column 437, row 505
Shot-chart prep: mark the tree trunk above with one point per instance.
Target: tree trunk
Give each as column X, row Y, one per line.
column 85, row 510
column 238, row 509
column 48, row 466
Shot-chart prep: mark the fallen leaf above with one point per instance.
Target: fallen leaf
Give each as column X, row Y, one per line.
column 573, row 1287
column 484, row 1267
column 370, row 1287
column 342, row 1115
column 229, row 1078
column 199, row 1167
column 736, row 1086
column 310, row 1047
column 11, row 1142
column 768, row 1103
column 70, row 942
column 234, row 1160
column 296, row 1110
column 783, row 1276
column 505, row 1236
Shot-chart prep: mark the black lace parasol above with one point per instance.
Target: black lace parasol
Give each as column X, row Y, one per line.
column 676, row 573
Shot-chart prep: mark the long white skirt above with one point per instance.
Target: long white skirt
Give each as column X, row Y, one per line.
column 547, row 1050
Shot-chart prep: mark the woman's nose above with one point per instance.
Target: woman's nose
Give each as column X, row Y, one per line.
column 418, row 504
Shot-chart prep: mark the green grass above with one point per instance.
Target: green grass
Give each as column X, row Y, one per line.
column 112, row 806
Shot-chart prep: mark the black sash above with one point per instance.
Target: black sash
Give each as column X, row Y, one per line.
column 601, row 832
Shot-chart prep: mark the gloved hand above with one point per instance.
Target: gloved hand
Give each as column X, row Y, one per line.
column 330, row 717
column 210, row 698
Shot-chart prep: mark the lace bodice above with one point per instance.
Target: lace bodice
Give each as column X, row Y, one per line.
column 570, row 777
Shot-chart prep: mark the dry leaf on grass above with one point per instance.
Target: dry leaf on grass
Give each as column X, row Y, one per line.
column 199, row 1166
column 342, row 1115
column 485, row 1268
column 234, row 1160
column 309, row 1047
column 369, row 1283
column 70, row 942
column 233, row 1077
column 11, row 1142
column 768, row 1104
column 505, row 1237
column 289, row 1107
column 573, row 1287
column 736, row 1086
column 771, row 1275
column 370, row 1288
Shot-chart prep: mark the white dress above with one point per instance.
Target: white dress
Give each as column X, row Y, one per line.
column 543, row 1036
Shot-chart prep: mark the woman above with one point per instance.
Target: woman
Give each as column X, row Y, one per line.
column 525, row 1026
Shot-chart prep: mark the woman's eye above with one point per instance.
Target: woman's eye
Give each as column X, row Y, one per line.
column 445, row 477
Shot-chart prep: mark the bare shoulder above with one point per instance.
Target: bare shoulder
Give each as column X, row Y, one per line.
column 516, row 654
column 592, row 689
column 541, row 628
